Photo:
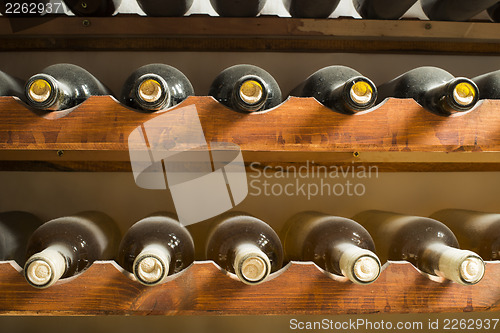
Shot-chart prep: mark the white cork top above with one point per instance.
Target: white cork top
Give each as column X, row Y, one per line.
column 151, row 266
column 252, row 266
column 361, row 266
column 44, row 269
column 461, row 266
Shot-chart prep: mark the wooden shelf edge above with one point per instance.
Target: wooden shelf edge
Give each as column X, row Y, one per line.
column 297, row 125
column 265, row 33
column 203, row 289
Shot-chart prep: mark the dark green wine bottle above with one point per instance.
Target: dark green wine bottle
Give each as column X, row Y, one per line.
column 336, row 244
column 454, row 10
column 155, row 87
column 93, row 7
column 489, row 85
column 62, row 86
column 426, row 243
column 494, row 12
column 311, row 9
column 339, row 88
column 165, row 8
column 434, row 89
column 244, row 245
column 11, row 86
column 67, row 246
column 382, row 9
column 238, row 8
column 246, row 88
column 155, row 247
column 15, row 230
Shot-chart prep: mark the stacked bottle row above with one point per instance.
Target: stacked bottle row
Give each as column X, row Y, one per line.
column 248, row 88
column 158, row 245
column 444, row 10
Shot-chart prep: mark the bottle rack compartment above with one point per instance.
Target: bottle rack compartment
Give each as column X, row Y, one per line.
column 399, row 134
column 203, row 289
column 264, row 33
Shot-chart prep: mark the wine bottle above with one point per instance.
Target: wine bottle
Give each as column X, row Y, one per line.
column 93, row 7
column 246, row 88
column 238, row 8
column 434, row 89
column 310, row 9
column 454, row 10
column 155, row 87
column 426, row 243
column 62, row 86
column 165, row 8
column 155, row 247
column 336, row 244
column 494, row 12
column 15, row 229
column 11, row 86
column 382, row 9
column 339, row 88
column 489, row 85
column 246, row 246
column 66, row 246
column 476, row 231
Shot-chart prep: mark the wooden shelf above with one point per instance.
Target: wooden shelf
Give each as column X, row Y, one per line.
column 265, row 33
column 399, row 135
column 203, row 289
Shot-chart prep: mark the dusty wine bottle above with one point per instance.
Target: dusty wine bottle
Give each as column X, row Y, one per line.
column 246, row 246
column 66, row 246
column 475, row 231
column 246, row 88
column 155, row 247
column 434, row 89
column 167, row 8
column 15, row 229
column 238, row 8
column 336, row 244
column 382, row 9
column 62, row 86
column 310, row 9
column 11, row 86
column 426, row 243
column 339, row 88
column 93, row 7
column 494, row 12
column 155, row 87
column 489, row 85
column 454, row 10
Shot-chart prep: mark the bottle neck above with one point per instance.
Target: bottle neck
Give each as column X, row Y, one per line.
column 45, row 268
column 250, row 94
column 355, row 95
column 460, row 266
column 457, row 96
column 46, row 93
column 151, row 92
column 251, row 264
column 152, row 265
column 359, row 265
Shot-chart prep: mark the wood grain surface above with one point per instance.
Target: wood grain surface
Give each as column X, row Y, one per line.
column 203, row 289
column 264, row 33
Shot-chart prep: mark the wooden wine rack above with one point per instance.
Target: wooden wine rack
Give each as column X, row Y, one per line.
column 203, row 288
column 265, row 33
column 399, row 135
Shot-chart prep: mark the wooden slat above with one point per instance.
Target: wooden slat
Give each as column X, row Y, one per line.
column 398, row 135
column 265, row 33
column 202, row 289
